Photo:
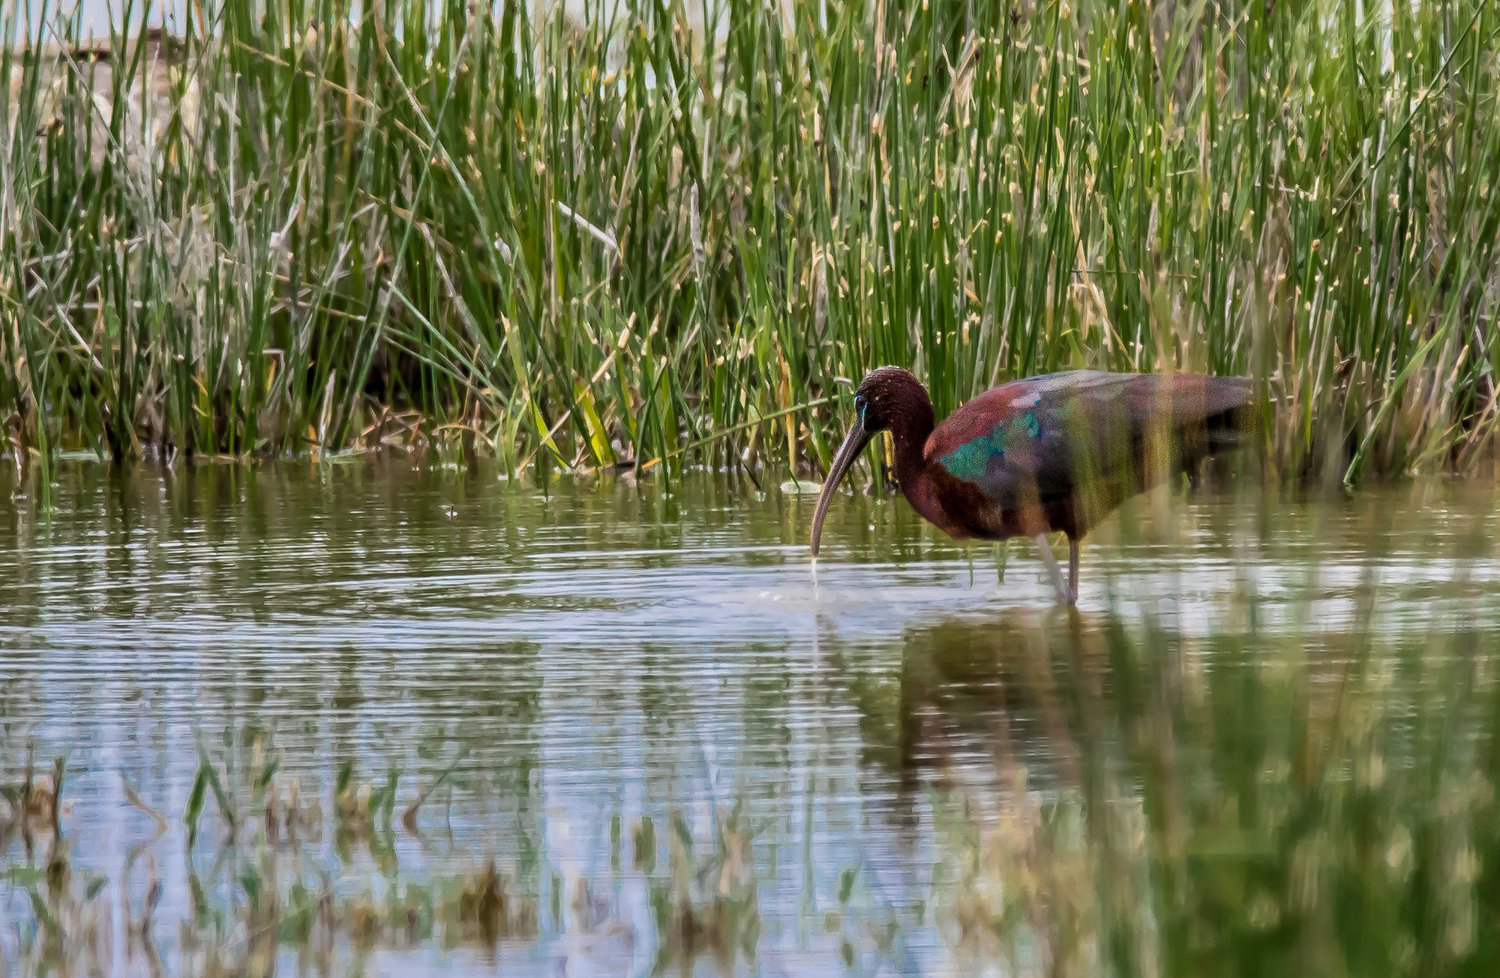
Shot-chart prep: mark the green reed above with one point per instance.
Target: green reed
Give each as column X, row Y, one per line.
column 1246, row 805
column 625, row 237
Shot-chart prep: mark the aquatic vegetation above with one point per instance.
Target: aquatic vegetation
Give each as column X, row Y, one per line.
column 708, row 905
column 624, row 237
column 31, row 803
column 1241, row 807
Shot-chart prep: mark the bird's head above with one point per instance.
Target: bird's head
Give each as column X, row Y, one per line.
column 879, row 402
column 883, row 395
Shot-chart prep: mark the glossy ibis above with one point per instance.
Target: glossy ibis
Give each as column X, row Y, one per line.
column 1052, row 453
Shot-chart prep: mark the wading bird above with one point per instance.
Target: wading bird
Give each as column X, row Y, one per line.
column 1045, row 454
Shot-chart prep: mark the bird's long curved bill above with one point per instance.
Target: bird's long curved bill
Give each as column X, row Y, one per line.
column 854, row 443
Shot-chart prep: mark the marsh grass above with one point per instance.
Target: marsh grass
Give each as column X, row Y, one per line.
column 1247, row 805
column 258, row 885
column 665, row 232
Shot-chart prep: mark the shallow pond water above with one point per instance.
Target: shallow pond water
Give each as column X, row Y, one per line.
column 581, row 672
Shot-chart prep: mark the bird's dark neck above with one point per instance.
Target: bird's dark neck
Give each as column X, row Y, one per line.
column 909, row 431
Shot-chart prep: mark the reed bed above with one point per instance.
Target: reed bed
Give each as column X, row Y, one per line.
column 1245, row 805
column 609, row 235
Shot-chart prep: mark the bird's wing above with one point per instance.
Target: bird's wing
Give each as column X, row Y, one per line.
column 1039, row 438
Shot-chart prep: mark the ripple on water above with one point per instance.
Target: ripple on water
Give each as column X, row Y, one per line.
column 590, row 654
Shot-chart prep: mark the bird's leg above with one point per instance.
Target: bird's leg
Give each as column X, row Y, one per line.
column 1052, row 568
column 1072, row 569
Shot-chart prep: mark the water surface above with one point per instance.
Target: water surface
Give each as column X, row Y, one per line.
column 584, row 656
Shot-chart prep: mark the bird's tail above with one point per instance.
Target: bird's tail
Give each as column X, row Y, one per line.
column 1230, row 411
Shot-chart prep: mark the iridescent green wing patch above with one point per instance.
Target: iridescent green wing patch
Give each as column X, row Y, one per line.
column 971, row 461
